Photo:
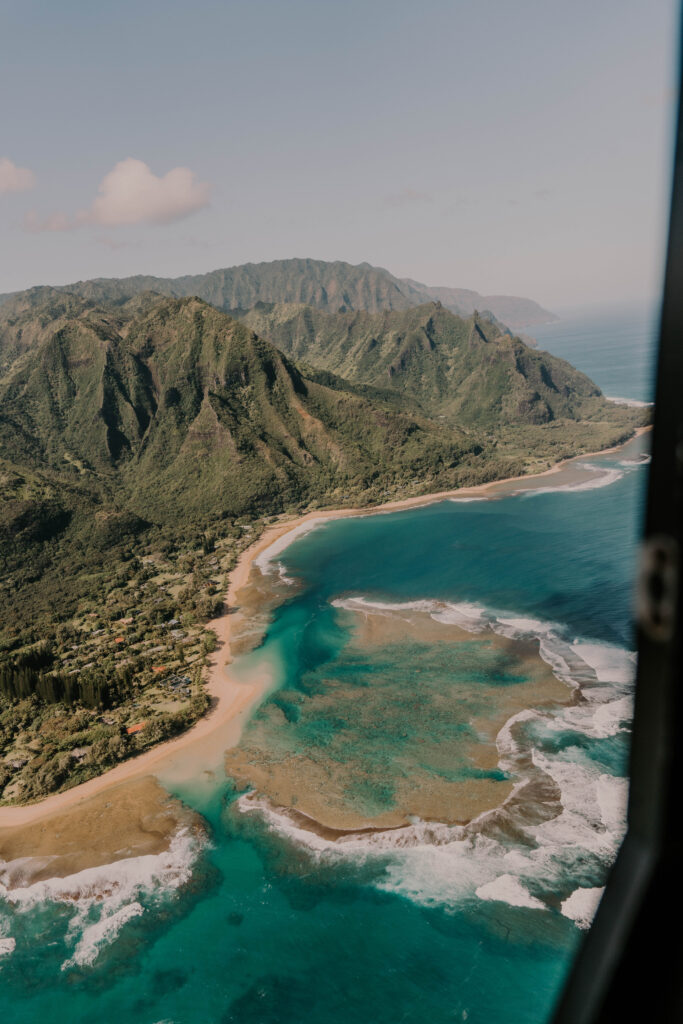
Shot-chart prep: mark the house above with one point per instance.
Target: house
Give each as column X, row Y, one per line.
column 132, row 729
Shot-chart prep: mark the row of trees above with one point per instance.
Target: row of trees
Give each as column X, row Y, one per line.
column 92, row 688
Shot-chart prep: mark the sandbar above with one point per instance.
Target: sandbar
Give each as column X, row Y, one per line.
column 132, row 820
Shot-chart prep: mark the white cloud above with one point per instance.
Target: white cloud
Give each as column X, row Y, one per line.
column 13, row 178
column 132, row 194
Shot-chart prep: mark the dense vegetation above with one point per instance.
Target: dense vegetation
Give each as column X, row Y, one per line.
column 119, row 644
column 143, row 444
column 469, row 370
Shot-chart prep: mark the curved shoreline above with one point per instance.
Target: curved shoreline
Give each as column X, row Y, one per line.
column 234, row 699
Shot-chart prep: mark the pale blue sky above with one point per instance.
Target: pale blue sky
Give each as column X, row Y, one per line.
column 512, row 147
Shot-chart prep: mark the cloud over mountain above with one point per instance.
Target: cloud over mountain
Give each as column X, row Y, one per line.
column 132, row 194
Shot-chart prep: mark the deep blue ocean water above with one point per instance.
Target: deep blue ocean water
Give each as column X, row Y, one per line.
column 614, row 347
column 267, row 926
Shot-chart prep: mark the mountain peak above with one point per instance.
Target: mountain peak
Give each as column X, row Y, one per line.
column 332, row 286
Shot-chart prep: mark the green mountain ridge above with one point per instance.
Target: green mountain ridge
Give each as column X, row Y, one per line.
column 182, row 399
column 468, row 370
column 330, row 286
column 157, row 410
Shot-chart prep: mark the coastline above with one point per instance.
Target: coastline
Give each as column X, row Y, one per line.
column 232, row 698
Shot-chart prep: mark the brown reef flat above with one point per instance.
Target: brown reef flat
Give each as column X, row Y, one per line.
column 321, row 784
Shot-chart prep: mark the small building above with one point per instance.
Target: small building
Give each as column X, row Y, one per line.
column 180, row 683
column 138, row 727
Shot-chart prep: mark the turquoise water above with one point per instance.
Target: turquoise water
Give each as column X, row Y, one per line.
column 267, row 925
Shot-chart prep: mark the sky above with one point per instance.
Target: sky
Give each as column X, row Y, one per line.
column 516, row 148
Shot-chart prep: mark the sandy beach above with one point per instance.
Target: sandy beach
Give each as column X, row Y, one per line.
column 233, row 699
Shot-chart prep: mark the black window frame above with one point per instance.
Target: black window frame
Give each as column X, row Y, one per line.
column 630, row 964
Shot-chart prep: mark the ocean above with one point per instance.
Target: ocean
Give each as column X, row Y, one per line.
column 422, row 656
column 615, row 347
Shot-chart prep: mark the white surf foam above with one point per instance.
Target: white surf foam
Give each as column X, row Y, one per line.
column 611, row 664
column 369, row 605
column 509, row 889
column 7, row 946
column 575, row 663
column 518, row 626
column 167, row 870
column 581, row 906
column 595, row 719
column 601, row 478
column 100, row 934
column 466, row 499
column 635, row 403
column 264, row 560
column 466, row 614
column 612, row 797
column 640, row 460
column 593, row 817
column 104, row 898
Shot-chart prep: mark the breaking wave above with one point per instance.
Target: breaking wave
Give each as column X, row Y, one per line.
column 106, row 897
column 602, row 477
column 265, row 559
column 634, row 403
